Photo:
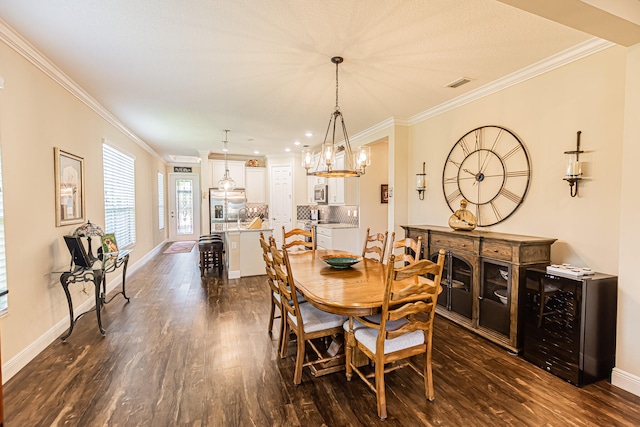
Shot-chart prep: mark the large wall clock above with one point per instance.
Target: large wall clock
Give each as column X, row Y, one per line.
column 489, row 167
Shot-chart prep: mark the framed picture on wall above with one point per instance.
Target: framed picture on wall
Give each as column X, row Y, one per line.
column 384, row 193
column 69, row 182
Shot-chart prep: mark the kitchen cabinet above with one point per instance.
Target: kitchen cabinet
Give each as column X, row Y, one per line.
column 570, row 325
column 236, row 171
column 343, row 191
column 484, row 280
column 332, row 237
column 256, row 184
column 336, row 185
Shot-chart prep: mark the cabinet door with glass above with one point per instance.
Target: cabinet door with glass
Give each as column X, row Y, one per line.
column 457, row 281
column 495, row 297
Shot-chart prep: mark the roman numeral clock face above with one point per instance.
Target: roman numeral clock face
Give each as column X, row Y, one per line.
column 489, row 167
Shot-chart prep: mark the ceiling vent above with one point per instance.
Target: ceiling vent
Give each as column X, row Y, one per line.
column 459, row 82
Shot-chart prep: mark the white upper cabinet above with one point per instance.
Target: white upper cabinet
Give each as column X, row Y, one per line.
column 256, row 184
column 236, row 171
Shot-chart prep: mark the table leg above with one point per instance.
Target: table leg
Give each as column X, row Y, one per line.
column 98, row 276
column 125, row 263
column 124, row 276
column 348, row 351
column 65, row 285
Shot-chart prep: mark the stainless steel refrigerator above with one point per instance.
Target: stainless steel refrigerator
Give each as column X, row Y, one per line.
column 227, row 206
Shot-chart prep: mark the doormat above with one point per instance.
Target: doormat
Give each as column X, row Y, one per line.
column 180, row 247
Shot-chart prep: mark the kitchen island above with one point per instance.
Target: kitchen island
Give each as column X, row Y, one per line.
column 243, row 254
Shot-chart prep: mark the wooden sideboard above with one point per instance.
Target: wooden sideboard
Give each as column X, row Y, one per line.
column 484, row 282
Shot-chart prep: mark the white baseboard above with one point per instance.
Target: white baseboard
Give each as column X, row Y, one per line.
column 233, row 274
column 20, row 360
column 626, row 381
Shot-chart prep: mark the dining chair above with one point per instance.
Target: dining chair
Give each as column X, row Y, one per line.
column 304, row 320
column 375, row 244
column 302, row 239
column 403, row 329
column 274, row 289
column 405, row 250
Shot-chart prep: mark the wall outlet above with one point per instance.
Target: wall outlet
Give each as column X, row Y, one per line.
column 234, row 245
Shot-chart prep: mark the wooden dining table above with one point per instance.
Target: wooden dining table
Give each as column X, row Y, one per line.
column 354, row 291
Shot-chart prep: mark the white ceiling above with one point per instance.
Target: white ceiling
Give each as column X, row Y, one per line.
column 178, row 73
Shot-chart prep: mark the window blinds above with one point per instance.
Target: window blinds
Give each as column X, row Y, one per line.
column 119, row 196
column 160, row 201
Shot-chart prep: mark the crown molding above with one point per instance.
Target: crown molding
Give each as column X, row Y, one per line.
column 390, row 122
column 558, row 60
column 15, row 41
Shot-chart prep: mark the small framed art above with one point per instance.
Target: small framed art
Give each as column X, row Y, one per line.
column 69, row 182
column 384, row 193
column 109, row 244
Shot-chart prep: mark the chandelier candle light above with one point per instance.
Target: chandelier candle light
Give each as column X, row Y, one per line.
column 226, row 183
column 354, row 162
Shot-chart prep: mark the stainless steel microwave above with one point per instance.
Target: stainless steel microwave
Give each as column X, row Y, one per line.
column 320, row 195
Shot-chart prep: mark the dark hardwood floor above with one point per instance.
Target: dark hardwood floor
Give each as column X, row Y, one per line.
column 192, row 352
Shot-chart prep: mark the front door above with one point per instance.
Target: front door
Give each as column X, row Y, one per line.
column 184, row 206
column 281, row 199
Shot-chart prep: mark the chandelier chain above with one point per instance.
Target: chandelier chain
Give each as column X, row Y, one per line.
column 337, row 106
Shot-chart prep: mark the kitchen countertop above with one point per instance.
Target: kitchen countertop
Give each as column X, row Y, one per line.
column 336, row 225
column 233, row 227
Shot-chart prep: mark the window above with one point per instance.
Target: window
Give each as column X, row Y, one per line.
column 160, row 201
column 119, row 195
column 4, row 303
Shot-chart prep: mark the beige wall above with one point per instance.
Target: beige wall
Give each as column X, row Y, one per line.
column 546, row 112
column 628, row 349
column 37, row 114
column 373, row 214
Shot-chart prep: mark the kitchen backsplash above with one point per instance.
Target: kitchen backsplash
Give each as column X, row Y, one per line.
column 254, row 210
column 341, row 214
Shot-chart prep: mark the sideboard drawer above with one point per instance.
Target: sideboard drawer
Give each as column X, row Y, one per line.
column 496, row 250
column 451, row 242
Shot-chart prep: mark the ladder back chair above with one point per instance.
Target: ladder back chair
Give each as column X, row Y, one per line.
column 274, row 289
column 304, row 320
column 403, row 329
column 297, row 238
column 375, row 244
column 405, row 250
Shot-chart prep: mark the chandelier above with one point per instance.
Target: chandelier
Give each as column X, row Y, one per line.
column 354, row 162
column 226, row 183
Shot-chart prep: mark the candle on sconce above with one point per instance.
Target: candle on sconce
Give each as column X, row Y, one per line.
column 574, row 167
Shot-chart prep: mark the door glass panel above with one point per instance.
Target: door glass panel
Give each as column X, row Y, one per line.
column 456, row 285
column 496, row 296
column 184, row 206
column 461, row 275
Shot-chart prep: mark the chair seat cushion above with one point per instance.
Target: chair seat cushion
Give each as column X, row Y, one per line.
column 317, row 320
column 368, row 336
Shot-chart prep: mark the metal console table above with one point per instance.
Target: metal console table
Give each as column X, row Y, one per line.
column 98, row 275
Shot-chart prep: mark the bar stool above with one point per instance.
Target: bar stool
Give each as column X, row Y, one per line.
column 211, row 249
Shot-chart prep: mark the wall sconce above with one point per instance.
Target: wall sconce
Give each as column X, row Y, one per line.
column 574, row 168
column 421, row 182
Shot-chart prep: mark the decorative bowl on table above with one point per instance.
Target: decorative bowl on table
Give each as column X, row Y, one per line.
column 341, row 260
